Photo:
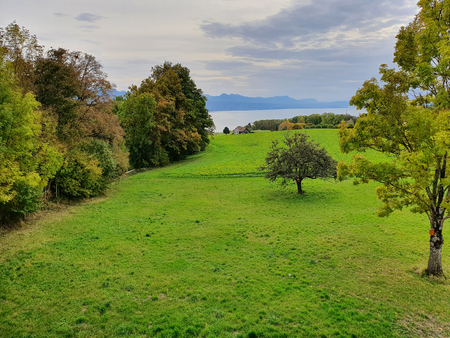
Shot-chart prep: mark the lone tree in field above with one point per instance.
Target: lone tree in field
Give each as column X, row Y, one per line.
column 298, row 159
column 414, row 133
column 226, row 130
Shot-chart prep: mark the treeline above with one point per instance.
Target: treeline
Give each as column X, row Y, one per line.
column 62, row 134
column 325, row 120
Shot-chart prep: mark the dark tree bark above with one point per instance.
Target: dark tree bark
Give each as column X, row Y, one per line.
column 436, row 217
column 436, row 243
column 299, row 186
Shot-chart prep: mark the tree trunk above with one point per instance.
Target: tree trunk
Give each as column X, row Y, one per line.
column 436, row 243
column 299, row 186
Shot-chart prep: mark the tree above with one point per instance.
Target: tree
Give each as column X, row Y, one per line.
column 21, row 50
column 297, row 160
column 314, row 119
column 184, row 106
column 27, row 160
column 143, row 129
column 57, row 88
column 414, row 133
column 180, row 122
column 266, row 124
column 286, row 125
column 226, row 131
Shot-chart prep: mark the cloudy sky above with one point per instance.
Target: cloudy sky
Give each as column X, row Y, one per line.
column 321, row 49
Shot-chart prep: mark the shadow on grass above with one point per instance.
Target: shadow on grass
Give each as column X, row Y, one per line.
column 325, row 192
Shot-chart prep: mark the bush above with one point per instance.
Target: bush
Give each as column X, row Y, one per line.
column 27, row 199
column 79, row 177
column 102, row 151
column 298, row 126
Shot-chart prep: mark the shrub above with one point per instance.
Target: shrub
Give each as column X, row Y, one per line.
column 102, row 151
column 298, row 126
column 27, row 199
column 79, row 177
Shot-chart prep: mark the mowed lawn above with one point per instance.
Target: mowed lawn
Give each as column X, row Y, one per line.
column 209, row 248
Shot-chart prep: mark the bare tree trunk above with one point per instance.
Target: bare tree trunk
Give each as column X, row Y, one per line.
column 436, row 243
column 299, row 186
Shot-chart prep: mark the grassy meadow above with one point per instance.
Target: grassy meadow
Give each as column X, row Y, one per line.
column 208, row 248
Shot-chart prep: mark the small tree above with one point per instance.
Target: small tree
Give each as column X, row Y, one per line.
column 226, row 131
column 297, row 160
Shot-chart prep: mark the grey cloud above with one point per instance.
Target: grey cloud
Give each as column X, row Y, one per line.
column 228, row 65
column 140, row 62
column 98, row 43
column 304, row 22
column 353, row 52
column 88, row 17
column 89, row 27
column 60, row 15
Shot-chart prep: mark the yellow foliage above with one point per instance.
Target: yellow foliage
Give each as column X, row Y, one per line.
column 286, row 125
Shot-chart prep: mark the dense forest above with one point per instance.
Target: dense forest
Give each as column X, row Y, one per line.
column 325, row 120
column 64, row 136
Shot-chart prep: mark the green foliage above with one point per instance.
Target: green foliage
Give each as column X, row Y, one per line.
column 226, row 130
column 102, row 151
column 26, row 200
column 174, row 121
column 298, row 159
column 267, row 124
column 20, row 50
column 143, row 136
column 56, row 89
column 415, row 133
column 80, row 176
column 315, row 119
column 27, row 161
column 415, row 137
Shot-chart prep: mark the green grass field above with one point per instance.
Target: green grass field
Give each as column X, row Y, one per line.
column 209, row 248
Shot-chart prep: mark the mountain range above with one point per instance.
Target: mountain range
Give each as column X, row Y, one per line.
column 232, row 102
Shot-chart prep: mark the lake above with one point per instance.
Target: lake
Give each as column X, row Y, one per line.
column 232, row 119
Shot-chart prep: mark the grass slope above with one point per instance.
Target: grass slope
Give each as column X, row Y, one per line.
column 200, row 249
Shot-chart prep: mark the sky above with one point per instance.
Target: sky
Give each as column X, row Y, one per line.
column 323, row 49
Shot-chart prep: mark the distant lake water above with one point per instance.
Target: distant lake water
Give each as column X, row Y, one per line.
column 232, row 119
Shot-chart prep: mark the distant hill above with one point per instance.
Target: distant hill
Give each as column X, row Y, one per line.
column 119, row 93
column 232, row 102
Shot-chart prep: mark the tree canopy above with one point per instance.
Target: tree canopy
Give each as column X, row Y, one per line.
column 63, row 136
column 27, row 160
column 298, row 159
column 407, row 118
column 175, row 111
column 59, row 136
